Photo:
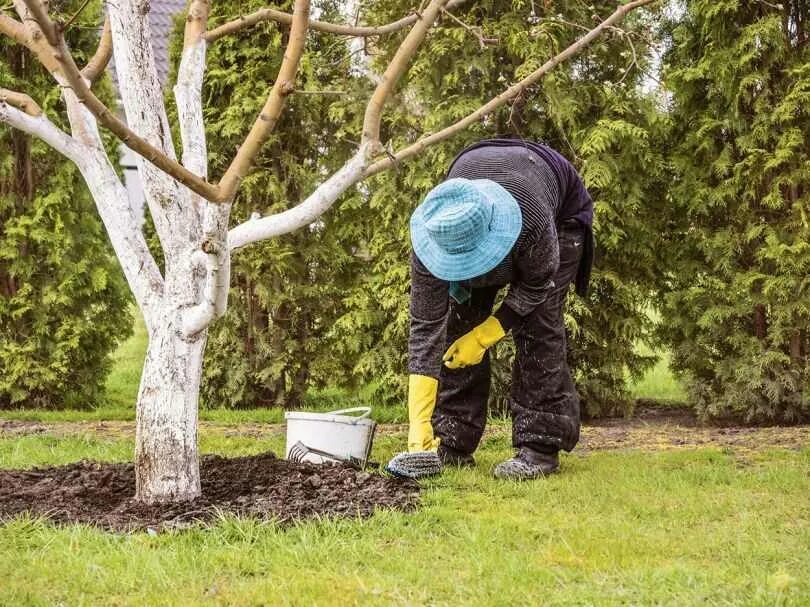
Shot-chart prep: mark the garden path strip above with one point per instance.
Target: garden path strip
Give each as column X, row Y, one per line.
column 651, row 429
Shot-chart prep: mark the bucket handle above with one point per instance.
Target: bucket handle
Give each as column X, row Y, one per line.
column 366, row 411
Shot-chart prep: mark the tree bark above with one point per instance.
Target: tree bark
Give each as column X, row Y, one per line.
column 166, row 459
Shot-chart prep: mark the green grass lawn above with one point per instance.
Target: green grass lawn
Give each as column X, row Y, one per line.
column 658, row 383
column 696, row 527
column 615, row 528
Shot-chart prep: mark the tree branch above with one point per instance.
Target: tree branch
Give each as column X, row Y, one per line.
column 73, row 77
column 271, row 14
column 399, row 65
column 36, row 124
column 21, row 101
column 98, row 62
column 315, row 205
column 475, row 31
column 267, row 119
column 25, row 35
column 111, row 199
column 216, row 281
column 66, row 26
column 188, row 90
column 213, row 257
column 13, row 29
column 196, row 22
column 40, row 17
column 509, row 93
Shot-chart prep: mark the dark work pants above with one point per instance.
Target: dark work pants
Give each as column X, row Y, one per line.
column 543, row 400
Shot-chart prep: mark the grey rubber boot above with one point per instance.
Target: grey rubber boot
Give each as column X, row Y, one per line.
column 527, row 465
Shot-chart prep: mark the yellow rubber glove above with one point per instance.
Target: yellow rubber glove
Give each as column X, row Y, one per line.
column 469, row 349
column 422, row 394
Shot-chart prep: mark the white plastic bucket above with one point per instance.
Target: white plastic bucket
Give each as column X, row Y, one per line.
column 335, row 432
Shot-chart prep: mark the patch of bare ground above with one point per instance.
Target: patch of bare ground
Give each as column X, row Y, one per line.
column 260, row 486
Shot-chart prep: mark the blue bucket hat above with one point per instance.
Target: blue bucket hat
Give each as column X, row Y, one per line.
column 464, row 228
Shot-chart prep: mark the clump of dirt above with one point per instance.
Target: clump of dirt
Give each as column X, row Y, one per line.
column 261, row 486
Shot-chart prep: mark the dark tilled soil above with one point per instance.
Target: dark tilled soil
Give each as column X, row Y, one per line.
column 260, row 486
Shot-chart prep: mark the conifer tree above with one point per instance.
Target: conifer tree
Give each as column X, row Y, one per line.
column 63, row 301
column 737, row 239
column 593, row 111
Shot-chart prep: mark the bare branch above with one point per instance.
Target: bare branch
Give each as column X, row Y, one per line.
column 634, row 60
column 98, row 62
column 111, row 199
column 315, row 205
column 30, row 35
column 271, row 14
column 196, row 22
column 21, row 101
column 40, row 17
column 39, row 126
column 13, row 29
column 267, row 119
column 70, row 21
column 24, row 35
column 509, row 94
column 73, row 77
column 398, row 66
column 188, row 90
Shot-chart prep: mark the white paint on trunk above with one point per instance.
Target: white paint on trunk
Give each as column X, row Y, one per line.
column 41, row 127
column 213, row 258
column 166, row 460
column 167, row 466
column 142, row 98
column 188, row 96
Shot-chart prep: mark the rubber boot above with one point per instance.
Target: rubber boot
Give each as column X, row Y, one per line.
column 528, row 464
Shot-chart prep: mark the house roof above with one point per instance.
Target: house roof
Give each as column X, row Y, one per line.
column 161, row 20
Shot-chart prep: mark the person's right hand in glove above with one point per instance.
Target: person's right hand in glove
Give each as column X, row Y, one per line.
column 422, row 394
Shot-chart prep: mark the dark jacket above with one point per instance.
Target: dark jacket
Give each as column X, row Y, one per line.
column 550, row 195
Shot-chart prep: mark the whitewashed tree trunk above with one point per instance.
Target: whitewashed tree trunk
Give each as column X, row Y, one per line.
column 166, row 460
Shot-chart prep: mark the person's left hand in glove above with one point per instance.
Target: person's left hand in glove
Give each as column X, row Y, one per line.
column 469, row 349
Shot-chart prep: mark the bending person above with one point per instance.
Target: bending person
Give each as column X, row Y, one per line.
column 510, row 213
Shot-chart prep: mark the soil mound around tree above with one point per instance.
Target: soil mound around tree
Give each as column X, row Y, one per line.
column 260, row 486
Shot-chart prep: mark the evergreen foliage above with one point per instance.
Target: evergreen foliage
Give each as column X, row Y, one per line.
column 722, row 244
column 590, row 109
column 63, row 299
column 329, row 305
column 286, row 292
column 736, row 301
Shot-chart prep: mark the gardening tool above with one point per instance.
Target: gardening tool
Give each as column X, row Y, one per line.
column 416, row 464
column 299, row 452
